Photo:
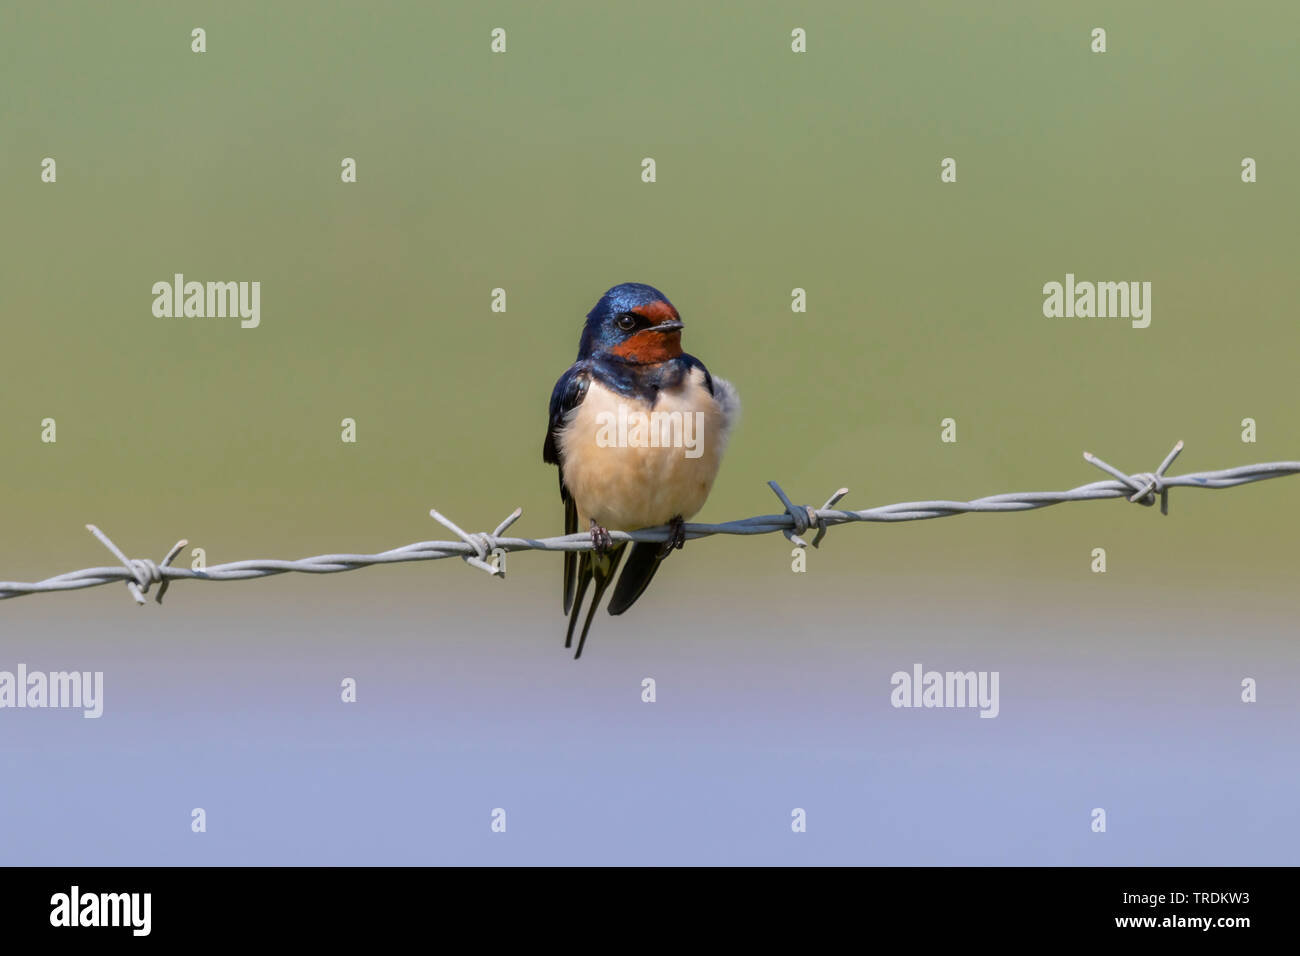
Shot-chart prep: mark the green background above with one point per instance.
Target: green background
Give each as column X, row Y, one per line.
column 522, row 171
column 775, row 170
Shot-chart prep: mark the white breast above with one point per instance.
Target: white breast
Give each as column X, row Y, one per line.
column 627, row 477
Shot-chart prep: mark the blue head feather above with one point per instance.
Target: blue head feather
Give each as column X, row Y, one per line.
column 601, row 331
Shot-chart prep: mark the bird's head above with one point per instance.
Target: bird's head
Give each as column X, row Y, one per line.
column 635, row 323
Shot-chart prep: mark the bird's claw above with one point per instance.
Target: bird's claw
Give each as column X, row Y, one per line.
column 600, row 539
column 676, row 537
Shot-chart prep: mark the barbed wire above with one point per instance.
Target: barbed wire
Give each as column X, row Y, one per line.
column 486, row 551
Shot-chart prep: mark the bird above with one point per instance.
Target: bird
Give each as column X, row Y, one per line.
column 622, row 419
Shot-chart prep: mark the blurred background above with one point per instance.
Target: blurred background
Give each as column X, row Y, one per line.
column 775, row 170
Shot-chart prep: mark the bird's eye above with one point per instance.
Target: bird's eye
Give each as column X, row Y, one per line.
column 627, row 322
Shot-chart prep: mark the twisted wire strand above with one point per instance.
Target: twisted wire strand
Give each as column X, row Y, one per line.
column 476, row 549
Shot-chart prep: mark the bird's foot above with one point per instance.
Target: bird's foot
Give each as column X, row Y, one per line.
column 600, row 539
column 676, row 536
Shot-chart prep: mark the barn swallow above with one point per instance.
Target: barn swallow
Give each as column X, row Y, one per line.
column 656, row 470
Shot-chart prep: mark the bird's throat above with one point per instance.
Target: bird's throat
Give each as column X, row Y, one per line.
column 649, row 347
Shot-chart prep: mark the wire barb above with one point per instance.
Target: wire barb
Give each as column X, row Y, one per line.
column 1145, row 485
column 482, row 543
column 830, row 503
column 475, row 549
column 801, row 516
column 806, row 516
column 143, row 571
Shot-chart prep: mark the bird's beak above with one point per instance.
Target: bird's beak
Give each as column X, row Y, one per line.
column 672, row 325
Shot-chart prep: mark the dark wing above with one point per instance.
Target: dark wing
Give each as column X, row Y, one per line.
column 642, row 563
column 567, row 395
column 692, row 362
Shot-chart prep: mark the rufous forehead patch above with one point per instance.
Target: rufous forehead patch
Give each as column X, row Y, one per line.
column 657, row 312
